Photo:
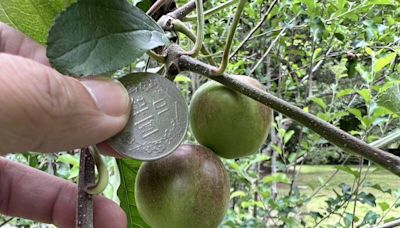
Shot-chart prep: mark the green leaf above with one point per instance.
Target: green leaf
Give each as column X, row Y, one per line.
column 181, row 78
column 369, row 51
column 288, row 135
column 355, row 112
column 367, row 199
column 128, row 169
column 319, row 102
column 340, row 4
column 292, row 157
column 317, row 28
column 382, row 62
column 68, row 159
column 145, row 4
column 93, row 37
column 381, row 2
column 348, row 170
column 379, row 187
column 390, row 99
column 277, row 178
column 34, row 18
column 348, row 219
column 238, row 194
column 366, row 95
column 344, row 92
column 339, row 36
column 384, row 206
column 370, row 218
column 351, row 67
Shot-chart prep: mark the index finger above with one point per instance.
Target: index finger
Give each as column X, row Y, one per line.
column 16, row 43
column 32, row 194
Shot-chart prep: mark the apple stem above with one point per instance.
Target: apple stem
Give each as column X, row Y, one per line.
column 179, row 26
column 229, row 40
column 200, row 30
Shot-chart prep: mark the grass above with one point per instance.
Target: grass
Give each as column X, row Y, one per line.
column 310, row 177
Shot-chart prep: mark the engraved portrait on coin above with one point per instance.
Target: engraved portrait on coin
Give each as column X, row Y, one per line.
column 158, row 120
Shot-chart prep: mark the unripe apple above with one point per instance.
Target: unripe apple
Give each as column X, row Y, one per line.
column 187, row 189
column 229, row 123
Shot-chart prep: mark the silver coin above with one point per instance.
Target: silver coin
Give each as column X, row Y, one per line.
column 158, row 121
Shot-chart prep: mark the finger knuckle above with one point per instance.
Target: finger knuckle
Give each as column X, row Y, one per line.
column 54, row 96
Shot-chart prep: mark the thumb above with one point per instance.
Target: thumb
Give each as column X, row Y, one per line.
column 42, row 110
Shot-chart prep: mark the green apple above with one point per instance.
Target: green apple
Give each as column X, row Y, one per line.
column 188, row 189
column 229, row 123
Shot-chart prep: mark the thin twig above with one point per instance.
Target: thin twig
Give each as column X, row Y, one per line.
column 268, row 50
column 85, row 200
column 327, row 181
column 310, row 72
column 250, row 34
column 361, row 166
column 346, row 201
column 388, row 210
column 6, row 221
column 211, row 11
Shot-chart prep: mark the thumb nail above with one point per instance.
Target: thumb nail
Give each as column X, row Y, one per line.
column 110, row 96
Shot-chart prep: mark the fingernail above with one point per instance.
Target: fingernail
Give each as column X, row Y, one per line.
column 110, row 96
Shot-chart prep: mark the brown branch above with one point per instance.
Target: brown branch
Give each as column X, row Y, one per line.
column 156, row 6
column 184, row 10
column 84, row 218
column 160, row 8
column 336, row 136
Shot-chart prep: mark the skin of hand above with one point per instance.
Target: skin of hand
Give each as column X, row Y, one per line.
column 42, row 110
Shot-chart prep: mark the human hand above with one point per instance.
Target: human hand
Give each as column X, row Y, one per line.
column 42, row 110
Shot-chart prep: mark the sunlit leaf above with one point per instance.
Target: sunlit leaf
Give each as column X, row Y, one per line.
column 277, row 178
column 384, row 206
column 128, row 169
column 348, row 170
column 34, row 18
column 344, row 92
column 319, row 102
column 390, row 99
column 98, row 36
column 238, row 194
column 381, row 2
column 182, row 78
column 366, row 95
column 384, row 61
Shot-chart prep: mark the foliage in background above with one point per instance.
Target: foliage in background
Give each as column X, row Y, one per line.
column 337, row 59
